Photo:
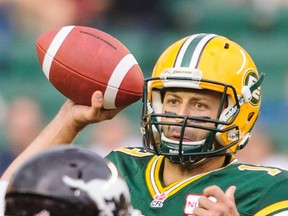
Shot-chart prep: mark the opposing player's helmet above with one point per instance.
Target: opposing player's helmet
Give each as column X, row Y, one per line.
column 68, row 181
column 203, row 61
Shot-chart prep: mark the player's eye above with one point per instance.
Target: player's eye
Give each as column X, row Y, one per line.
column 200, row 106
column 172, row 101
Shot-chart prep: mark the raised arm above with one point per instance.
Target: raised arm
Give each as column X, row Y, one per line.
column 63, row 129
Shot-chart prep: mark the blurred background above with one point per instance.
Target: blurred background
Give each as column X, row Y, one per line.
column 28, row 101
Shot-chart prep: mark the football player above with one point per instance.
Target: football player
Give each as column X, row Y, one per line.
column 68, row 181
column 199, row 108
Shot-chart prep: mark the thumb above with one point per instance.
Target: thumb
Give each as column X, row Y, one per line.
column 230, row 192
column 97, row 99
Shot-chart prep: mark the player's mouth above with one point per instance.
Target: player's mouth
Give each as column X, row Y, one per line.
column 177, row 137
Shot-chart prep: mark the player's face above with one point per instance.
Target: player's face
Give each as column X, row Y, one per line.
column 196, row 103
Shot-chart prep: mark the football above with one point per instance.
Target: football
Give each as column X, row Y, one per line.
column 79, row 60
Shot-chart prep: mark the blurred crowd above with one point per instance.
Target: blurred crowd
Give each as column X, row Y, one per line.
column 146, row 27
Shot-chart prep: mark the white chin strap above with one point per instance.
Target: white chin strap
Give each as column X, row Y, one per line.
column 200, row 142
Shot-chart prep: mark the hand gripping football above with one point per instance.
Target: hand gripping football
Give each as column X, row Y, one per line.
column 79, row 60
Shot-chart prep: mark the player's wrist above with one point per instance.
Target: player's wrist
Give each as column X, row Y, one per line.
column 66, row 120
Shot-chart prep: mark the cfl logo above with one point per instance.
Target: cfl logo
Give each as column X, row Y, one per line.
column 156, row 204
column 158, row 200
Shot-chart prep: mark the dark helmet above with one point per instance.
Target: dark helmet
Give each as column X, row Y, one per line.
column 68, row 180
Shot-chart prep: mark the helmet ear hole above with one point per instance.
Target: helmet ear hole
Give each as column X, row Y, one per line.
column 250, row 116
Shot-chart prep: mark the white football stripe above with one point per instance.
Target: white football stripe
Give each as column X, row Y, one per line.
column 53, row 48
column 115, row 80
column 198, row 50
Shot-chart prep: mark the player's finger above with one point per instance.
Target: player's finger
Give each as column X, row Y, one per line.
column 97, row 105
column 214, row 191
column 200, row 212
column 230, row 192
column 225, row 202
column 97, row 99
column 205, row 203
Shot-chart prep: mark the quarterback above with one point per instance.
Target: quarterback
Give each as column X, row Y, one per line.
column 199, row 108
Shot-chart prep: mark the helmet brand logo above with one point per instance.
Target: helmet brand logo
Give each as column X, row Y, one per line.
column 182, row 77
column 174, row 151
column 149, row 108
column 183, row 72
column 230, row 113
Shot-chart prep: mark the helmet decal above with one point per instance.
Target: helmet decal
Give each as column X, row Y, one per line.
column 191, row 49
column 250, row 79
column 108, row 199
